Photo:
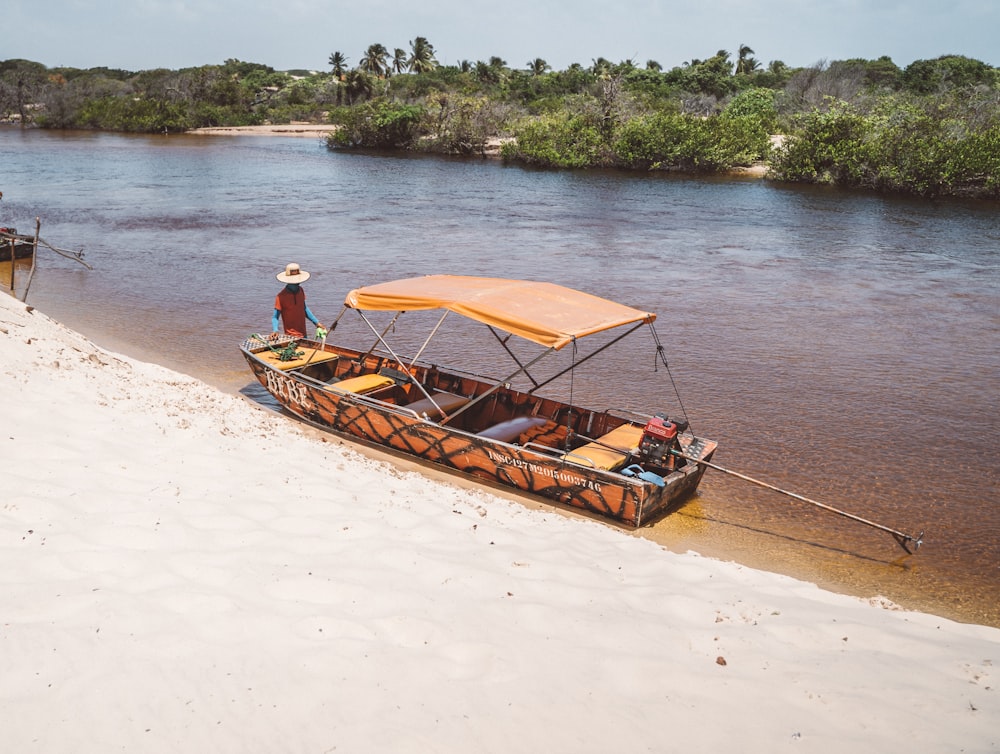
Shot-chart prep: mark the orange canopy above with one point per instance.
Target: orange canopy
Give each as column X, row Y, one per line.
column 544, row 313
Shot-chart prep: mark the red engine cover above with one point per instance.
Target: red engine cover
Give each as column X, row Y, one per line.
column 662, row 428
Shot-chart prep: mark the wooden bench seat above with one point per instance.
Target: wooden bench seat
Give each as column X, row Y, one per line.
column 362, row 384
column 309, row 356
column 625, row 439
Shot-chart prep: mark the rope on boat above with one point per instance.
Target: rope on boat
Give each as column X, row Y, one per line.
column 660, row 352
column 901, row 537
column 569, row 413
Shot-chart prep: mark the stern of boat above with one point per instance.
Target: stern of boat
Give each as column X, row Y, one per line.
column 679, row 484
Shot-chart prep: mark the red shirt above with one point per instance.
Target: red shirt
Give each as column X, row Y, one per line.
column 293, row 311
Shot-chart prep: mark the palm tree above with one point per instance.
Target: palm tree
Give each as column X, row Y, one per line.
column 358, row 85
column 652, row 65
column 538, row 66
column 493, row 72
column 375, row 60
column 398, row 60
column 422, row 57
column 601, row 67
column 486, row 73
column 338, row 65
column 743, row 60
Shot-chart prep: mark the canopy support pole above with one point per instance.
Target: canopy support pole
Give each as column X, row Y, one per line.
column 381, row 339
column 586, row 358
column 503, row 342
column 478, row 399
column 497, row 386
column 429, row 337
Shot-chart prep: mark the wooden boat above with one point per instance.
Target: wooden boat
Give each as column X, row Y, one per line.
column 10, row 240
column 619, row 464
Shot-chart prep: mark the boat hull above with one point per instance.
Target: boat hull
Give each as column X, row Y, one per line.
column 627, row 499
column 22, row 249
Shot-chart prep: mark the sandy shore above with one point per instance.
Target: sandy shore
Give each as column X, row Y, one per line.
column 287, row 129
column 181, row 570
column 321, row 131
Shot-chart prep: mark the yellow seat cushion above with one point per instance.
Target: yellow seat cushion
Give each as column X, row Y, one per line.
column 626, row 437
column 363, row 384
column 309, row 356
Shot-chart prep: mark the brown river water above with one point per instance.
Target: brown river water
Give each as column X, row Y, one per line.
column 842, row 346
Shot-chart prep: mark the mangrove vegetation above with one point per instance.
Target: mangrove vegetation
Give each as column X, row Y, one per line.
column 930, row 129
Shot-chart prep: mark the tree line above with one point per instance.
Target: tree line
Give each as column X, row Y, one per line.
column 929, row 129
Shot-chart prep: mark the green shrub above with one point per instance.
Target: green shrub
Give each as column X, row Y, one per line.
column 898, row 147
column 653, row 141
column 461, row 125
column 756, row 104
column 947, row 72
column 138, row 115
column 558, row 140
column 689, row 143
column 377, row 125
column 827, row 147
column 741, row 140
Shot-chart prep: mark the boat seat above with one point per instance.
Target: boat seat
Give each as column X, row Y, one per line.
column 309, row 356
column 398, row 375
column 364, row 383
column 624, row 439
column 510, row 430
column 447, row 402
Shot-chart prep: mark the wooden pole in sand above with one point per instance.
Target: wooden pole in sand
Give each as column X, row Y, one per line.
column 34, row 258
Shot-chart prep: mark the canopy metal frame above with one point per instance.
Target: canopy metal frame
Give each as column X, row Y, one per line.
column 522, row 367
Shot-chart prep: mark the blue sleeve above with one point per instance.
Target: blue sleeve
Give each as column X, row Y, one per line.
column 311, row 317
column 276, row 321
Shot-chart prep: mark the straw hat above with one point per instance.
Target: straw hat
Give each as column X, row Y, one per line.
column 293, row 274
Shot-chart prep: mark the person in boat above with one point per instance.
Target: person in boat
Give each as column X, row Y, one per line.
column 290, row 308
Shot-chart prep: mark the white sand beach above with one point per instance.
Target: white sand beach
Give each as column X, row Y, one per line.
column 317, row 130
column 183, row 571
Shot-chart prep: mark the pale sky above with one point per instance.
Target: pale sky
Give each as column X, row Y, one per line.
column 284, row 34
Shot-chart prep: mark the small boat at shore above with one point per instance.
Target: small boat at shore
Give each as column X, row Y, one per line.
column 627, row 466
column 12, row 244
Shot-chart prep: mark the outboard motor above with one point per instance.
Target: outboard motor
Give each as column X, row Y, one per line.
column 658, row 438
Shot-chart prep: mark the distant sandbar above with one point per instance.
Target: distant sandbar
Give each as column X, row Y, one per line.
column 281, row 129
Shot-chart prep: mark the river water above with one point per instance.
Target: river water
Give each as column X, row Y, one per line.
column 843, row 346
